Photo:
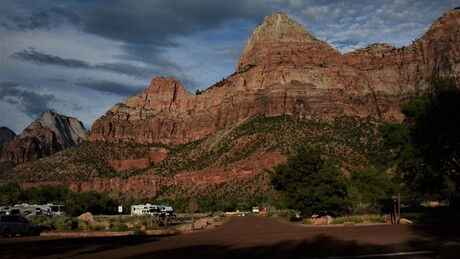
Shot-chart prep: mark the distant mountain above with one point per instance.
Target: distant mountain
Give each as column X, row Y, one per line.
column 284, row 70
column 47, row 135
column 6, row 136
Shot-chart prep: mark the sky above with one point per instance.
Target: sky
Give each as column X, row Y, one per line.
column 81, row 57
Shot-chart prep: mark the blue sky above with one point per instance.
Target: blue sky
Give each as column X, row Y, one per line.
column 79, row 57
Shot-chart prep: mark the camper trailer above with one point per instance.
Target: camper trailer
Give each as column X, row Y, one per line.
column 160, row 212
column 23, row 209
column 28, row 210
column 148, row 209
column 52, row 209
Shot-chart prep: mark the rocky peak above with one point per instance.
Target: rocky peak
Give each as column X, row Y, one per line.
column 277, row 37
column 279, row 27
column 47, row 135
column 164, row 93
column 166, row 86
column 69, row 131
column 6, row 136
column 376, row 49
column 446, row 26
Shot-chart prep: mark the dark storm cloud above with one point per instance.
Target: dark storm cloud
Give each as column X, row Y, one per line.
column 109, row 87
column 44, row 59
column 19, row 15
column 27, row 101
column 155, row 22
column 39, row 58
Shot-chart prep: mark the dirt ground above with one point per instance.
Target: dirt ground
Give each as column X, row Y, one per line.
column 252, row 237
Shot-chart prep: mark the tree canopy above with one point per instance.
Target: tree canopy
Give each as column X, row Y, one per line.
column 426, row 146
column 311, row 184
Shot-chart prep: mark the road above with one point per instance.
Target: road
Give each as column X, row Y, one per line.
column 252, row 237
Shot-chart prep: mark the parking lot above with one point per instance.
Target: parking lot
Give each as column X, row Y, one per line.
column 254, row 237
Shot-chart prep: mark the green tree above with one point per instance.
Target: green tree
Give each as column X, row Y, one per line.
column 369, row 190
column 91, row 201
column 311, row 184
column 426, row 147
column 45, row 194
column 10, row 193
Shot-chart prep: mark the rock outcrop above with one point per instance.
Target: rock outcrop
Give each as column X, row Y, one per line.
column 47, row 135
column 149, row 184
column 285, row 70
column 6, row 136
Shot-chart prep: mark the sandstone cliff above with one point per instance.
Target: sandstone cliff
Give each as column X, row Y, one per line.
column 285, row 70
column 47, row 135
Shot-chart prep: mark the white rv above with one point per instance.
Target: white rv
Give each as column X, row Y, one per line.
column 27, row 210
column 158, row 211
column 147, row 209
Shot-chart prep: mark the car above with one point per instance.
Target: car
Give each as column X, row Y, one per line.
column 11, row 225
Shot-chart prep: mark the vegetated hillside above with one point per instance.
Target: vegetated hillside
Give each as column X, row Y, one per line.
column 351, row 141
column 190, row 170
column 80, row 163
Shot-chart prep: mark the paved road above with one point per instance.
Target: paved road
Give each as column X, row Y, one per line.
column 251, row 237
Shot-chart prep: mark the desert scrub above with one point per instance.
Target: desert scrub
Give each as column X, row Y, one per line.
column 371, row 218
column 85, row 225
column 144, row 220
column 119, row 226
column 62, row 222
column 285, row 214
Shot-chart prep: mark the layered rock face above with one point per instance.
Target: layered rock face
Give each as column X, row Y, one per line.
column 285, row 70
column 6, row 136
column 47, row 135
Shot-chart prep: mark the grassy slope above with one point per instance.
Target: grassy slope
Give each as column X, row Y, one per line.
column 351, row 142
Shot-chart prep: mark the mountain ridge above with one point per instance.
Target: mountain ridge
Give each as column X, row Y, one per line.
column 293, row 74
column 48, row 134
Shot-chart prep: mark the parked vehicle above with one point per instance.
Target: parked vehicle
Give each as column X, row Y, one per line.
column 15, row 224
column 159, row 212
column 147, row 209
column 52, row 209
column 27, row 210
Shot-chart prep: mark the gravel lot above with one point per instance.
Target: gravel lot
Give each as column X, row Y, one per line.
column 252, row 237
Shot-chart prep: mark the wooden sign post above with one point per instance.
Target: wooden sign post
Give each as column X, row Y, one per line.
column 193, row 207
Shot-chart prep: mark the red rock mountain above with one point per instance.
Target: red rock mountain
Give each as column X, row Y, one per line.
column 47, row 135
column 285, row 70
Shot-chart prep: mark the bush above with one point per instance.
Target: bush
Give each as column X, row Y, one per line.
column 374, row 218
column 310, row 184
column 61, row 222
column 119, row 226
column 41, row 222
column 369, row 191
column 64, row 222
column 145, row 220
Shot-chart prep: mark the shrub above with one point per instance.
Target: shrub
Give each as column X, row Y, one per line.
column 374, row 218
column 64, row 222
column 119, row 226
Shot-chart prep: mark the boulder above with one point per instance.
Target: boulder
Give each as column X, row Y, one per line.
column 87, row 216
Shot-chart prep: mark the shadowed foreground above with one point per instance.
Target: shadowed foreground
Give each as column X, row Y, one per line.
column 253, row 237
